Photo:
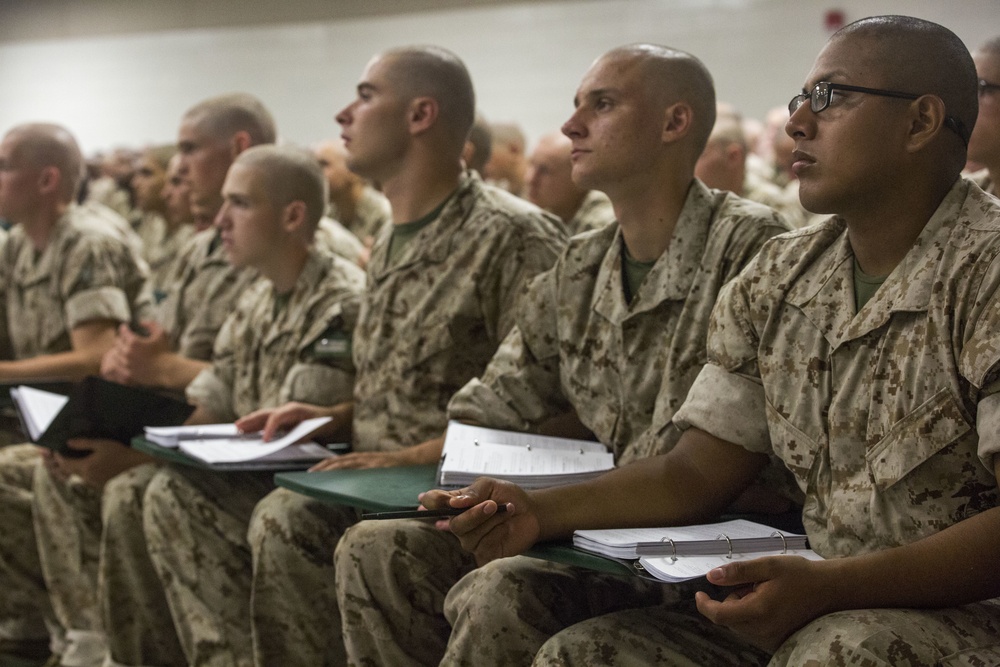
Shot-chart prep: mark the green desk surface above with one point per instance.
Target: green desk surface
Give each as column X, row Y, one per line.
column 567, row 554
column 372, row 489
column 173, row 455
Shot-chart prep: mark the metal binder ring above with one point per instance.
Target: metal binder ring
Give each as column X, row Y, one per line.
column 728, row 541
column 673, row 548
column 784, row 544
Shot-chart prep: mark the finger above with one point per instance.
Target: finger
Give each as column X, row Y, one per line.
column 254, row 421
column 440, row 499
column 742, row 572
column 476, row 522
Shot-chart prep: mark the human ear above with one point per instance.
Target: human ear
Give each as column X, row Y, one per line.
column 239, row 142
column 49, row 179
column 294, row 217
column 678, row 118
column 423, row 113
column 926, row 121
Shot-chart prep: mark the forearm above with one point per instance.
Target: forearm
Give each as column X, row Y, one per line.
column 73, row 365
column 423, row 454
column 694, row 482
column 173, row 371
column 953, row 567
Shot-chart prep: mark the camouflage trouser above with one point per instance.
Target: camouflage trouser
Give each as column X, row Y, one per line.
column 392, row 578
column 294, row 604
column 134, row 608
column 966, row 637
column 24, row 602
column 195, row 523
column 523, row 601
column 67, row 518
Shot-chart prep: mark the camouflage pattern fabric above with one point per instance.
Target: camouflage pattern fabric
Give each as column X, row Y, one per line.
column 332, row 237
column 203, row 290
column 595, row 212
column 372, row 215
column 624, row 367
column 429, row 323
column 196, row 521
column 875, row 413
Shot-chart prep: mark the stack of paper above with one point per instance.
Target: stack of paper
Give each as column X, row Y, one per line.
column 688, row 552
column 223, row 443
column 529, row 460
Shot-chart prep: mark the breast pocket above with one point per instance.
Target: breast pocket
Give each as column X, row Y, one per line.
column 915, row 439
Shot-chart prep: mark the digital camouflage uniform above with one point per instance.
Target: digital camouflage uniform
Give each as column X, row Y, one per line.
column 371, row 216
column 267, row 353
column 983, row 180
column 334, row 238
column 85, row 273
column 888, row 419
column 624, row 367
column 429, row 323
column 595, row 212
column 204, row 290
column 160, row 247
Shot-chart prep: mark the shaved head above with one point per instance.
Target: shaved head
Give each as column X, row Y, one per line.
column 41, row 145
column 431, row 71
column 292, row 174
column 675, row 76
column 916, row 56
column 223, row 116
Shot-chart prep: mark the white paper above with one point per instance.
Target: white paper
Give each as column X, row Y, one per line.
column 222, row 450
column 170, row 436
column 525, row 458
column 38, row 408
column 692, row 567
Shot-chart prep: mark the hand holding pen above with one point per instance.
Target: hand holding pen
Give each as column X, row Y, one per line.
column 482, row 528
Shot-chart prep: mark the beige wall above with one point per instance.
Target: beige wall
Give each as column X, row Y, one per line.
column 131, row 67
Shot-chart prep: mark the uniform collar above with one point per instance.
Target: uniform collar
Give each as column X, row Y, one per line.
column 827, row 300
column 433, row 243
column 674, row 272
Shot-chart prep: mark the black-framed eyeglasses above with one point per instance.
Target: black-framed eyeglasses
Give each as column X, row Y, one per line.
column 987, row 87
column 821, row 94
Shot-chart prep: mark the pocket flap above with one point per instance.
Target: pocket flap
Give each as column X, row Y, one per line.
column 934, row 425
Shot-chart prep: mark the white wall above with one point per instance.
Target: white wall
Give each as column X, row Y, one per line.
column 526, row 60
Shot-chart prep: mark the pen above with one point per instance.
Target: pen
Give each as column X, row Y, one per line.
column 424, row 514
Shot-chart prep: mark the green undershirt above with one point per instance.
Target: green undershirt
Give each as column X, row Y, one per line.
column 404, row 232
column 634, row 273
column 865, row 286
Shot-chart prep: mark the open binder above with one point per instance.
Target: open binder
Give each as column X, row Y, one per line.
column 688, row 552
column 95, row 408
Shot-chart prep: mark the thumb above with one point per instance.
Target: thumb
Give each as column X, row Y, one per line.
column 740, row 573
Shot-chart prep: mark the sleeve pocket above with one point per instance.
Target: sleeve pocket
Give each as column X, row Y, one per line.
column 934, row 425
column 792, row 446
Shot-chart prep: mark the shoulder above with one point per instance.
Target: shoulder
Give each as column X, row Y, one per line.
column 495, row 210
column 734, row 215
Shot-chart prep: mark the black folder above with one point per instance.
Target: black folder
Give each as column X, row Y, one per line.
column 98, row 408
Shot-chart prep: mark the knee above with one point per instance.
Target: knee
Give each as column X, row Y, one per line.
column 279, row 512
column 870, row 637
column 121, row 501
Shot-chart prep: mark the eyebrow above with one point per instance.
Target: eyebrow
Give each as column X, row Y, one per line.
column 597, row 92
column 364, row 86
column 825, row 77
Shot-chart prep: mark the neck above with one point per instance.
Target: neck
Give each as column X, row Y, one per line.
column 285, row 266
column 884, row 231
column 346, row 200
column 418, row 188
column 38, row 227
column 569, row 211
column 647, row 213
